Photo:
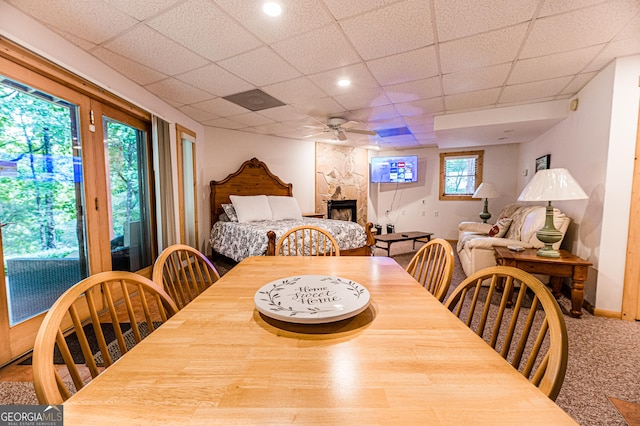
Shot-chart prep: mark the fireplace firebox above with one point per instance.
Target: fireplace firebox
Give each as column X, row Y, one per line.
column 342, row 210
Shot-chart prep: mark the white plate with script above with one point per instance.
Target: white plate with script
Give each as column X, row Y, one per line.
column 312, row 299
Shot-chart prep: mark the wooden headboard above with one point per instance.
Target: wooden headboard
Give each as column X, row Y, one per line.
column 252, row 178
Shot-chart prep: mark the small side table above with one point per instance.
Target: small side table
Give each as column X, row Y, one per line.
column 567, row 265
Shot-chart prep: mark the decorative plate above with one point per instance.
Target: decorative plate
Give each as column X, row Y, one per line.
column 311, row 299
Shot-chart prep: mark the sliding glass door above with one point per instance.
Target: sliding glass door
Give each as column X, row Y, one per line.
column 41, row 199
column 75, row 194
column 128, row 182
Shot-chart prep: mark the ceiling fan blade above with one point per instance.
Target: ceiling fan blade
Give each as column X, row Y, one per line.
column 362, row 132
column 316, row 134
column 349, row 124
column 342, row 136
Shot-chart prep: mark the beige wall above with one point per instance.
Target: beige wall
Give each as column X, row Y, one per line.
column 416, row 206
column 597, row 144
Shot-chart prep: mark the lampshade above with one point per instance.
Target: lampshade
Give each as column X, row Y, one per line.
column 486, row 190
column 552, row 185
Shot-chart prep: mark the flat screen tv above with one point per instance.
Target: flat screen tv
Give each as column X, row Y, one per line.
column 398, row 169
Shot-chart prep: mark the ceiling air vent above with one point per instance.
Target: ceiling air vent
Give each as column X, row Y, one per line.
column 254, row 100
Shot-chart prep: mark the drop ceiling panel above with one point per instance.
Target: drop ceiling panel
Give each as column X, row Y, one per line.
column 615, row 49
column 552, row 66
column 252, row 119
column 284, row 114
column 365, row 98
column 581, row 28
column 99, row 21
column 220, row 107
column 178, row 91
column 155, row 51
column 535, row 90
column 359, row 75
column 318, row 50
column 190, row 53
column 414, row 90
column 198, row 114
column 295, row 91
column 142, row 10
column 260, row 67
column 376, row 115
column 408, row 66
column 133, row 70
column 343, row 9
column 482, row 50
column 198, row 24
column 401, row 26
column 298, row 16
column 462, row 18
column 425, row 106
column 472, row 100
column 215, row 80
column 476, row 79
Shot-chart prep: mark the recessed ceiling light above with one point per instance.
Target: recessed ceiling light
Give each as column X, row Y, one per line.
column 272, row 9
column 344, row 82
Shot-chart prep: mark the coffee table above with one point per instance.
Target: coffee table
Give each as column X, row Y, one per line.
column 401, row 236
column 567, row 265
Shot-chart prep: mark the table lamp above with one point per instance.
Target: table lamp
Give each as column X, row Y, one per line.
column 486, row 190
column 551, row 185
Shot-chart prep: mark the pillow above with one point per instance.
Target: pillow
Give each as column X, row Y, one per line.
column 283, row 207
column 250, row 208
column 230, row 212
column 500, row 228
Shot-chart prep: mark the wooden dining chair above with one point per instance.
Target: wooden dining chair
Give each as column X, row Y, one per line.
column 184, row 273
column 531, row 335
column 432, row 267
column 77, row 322
column 307, row 240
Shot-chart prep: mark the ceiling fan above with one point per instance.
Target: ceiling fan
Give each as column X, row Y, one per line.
column 338, row 126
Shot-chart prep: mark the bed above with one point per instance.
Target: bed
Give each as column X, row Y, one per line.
column 237, row 240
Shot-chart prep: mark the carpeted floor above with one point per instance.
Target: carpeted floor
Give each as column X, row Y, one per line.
column 604, row 360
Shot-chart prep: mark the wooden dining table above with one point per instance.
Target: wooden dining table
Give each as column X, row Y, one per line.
column 403, row 360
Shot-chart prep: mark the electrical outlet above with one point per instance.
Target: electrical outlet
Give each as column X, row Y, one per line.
column 435, row 213
column 422, row 212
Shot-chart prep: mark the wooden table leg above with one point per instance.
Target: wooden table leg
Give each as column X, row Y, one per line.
column 556, row 286
column 577, row 298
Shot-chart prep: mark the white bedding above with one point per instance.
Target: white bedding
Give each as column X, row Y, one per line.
column 240, row 240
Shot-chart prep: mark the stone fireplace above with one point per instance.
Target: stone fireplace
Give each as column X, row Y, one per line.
column 342, row 175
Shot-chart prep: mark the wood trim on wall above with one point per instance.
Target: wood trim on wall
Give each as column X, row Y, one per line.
column 631, row 290
column 179, row 130
column 479, row 167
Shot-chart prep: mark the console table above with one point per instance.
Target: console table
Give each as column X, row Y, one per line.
column 401, row 236
column 567, row 265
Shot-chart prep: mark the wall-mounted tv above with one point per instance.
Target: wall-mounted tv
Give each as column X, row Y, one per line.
column 398, row 169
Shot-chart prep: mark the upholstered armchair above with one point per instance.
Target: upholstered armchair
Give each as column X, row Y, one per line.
column 517, row 225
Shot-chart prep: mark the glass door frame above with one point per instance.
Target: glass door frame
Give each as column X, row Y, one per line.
column 101, row 110
column 190, row 135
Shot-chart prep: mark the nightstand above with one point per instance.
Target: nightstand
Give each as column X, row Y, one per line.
column 316, row 215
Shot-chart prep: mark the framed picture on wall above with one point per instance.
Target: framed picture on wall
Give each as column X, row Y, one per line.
column 543, row 162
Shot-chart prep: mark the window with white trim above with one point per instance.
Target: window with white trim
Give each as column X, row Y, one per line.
column 460, row 174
